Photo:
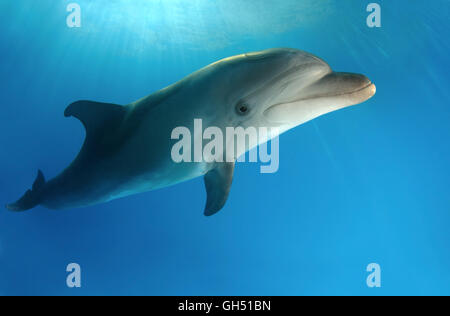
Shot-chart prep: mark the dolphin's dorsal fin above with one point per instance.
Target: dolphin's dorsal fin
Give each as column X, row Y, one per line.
column 99, row 119
column 218, row 184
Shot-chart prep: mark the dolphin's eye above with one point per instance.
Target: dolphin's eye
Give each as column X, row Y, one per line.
column 242, row 108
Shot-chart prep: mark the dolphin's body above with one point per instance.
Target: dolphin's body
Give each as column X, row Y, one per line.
column 128, row 148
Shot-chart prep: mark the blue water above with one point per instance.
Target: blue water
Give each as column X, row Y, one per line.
column 366, row 184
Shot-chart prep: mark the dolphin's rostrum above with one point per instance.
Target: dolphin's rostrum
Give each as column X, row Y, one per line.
column 127, row 149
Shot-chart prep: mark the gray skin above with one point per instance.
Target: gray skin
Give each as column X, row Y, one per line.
column 128, row 148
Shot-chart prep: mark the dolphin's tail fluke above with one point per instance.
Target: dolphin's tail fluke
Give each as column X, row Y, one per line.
column 31, row 198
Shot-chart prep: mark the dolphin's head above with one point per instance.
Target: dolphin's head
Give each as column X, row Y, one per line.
column 284, row 88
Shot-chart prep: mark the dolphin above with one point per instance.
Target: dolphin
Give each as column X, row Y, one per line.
column 127, row 149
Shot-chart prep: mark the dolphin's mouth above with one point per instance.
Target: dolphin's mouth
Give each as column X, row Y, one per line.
column 333, row 92
column 367, row 88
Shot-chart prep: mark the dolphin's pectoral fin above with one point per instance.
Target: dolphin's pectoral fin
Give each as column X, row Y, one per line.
column 98, row 119
column 218, row 183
